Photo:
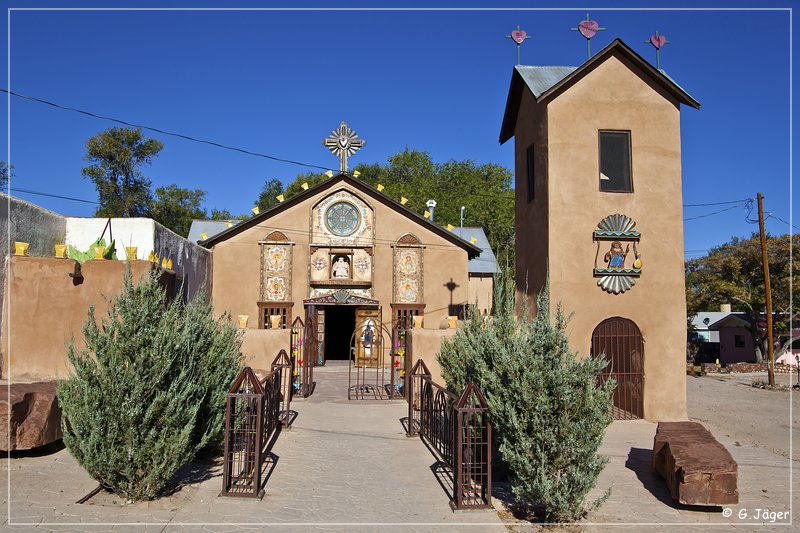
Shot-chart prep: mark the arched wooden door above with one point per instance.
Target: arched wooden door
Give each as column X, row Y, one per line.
column 620, row 342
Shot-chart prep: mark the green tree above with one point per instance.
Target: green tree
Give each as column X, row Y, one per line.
column 116, row 157
column 176, row 207
column 221, row 214
column 6, row 172
column 148, row 391
column 549, row 413
column 733, row 273
column 484, row 191
column 269, row 192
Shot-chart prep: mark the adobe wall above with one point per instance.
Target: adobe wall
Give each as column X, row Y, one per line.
column 613, row 97
column 480, row 292
column 45, row 308
column 261, row 346
column 236, row 262
column 425, row 344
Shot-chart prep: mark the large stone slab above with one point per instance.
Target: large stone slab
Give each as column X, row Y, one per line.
column 30, row 416
column 698, row 469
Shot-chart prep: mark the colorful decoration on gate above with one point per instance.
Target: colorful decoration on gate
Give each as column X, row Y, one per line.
column 615, row 275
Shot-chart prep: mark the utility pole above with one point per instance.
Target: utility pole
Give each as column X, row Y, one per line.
column 768, row 290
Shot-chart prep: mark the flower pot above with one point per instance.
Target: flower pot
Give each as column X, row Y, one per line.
column 242, row 320
column 20, row 248
column 60, row 250
column 130, row 252
column 99, row 252
column 275, row 321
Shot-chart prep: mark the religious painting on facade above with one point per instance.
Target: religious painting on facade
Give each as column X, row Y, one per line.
column 616, row 235
column 276, row 289
column 276, row 268
column 408, row 277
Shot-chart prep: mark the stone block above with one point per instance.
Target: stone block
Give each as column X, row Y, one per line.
column 30, row 416
column 698, row 469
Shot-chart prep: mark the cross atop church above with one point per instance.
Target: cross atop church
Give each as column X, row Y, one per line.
column 343, row 142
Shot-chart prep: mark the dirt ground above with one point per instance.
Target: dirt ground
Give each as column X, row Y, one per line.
column 728, row 405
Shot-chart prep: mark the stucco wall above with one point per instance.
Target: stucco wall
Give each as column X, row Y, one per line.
column 261, row 346
column 236, row 262
column 480, row 292
column 614, row 97
column 425, row 344
column 190, row 262
column 45, row 308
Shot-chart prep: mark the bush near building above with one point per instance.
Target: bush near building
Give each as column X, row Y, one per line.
column 548, row 409
column 148, row 391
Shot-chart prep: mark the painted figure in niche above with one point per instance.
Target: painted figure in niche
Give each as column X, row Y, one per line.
column 341, row 268
column 408, row 264
column 276, row 289
column 276, row 259
column 615, row 257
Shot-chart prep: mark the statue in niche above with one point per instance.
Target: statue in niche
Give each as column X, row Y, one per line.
column 341, row 268
column 615, row 257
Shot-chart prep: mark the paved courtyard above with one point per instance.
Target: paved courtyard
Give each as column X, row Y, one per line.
column 348, row 466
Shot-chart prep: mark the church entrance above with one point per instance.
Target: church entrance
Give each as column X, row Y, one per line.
column 340, row 321
column 620, row 342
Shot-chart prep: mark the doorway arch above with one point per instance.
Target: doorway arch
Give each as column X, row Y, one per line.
column 620, row 342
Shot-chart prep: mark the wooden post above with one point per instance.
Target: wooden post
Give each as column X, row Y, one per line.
column 768, row 290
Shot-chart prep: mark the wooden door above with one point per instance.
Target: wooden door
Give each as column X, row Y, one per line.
column 368, row 338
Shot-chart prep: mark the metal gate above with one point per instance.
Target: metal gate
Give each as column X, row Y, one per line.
column 309, row 353
column 374, row 365
column 620, row 342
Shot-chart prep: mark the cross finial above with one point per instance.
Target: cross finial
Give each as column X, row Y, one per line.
column 519, row 37
column 588, row 29
column 658, row 41
column 343, row 142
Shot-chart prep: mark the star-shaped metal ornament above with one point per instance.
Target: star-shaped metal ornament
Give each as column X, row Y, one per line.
column 343, row 142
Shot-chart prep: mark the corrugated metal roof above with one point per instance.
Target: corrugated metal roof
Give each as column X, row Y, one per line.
column 486, row 262
column 540, row 79
column 212, row 227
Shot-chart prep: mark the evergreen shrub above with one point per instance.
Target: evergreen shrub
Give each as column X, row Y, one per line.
column 549, row 411
column 148, row 390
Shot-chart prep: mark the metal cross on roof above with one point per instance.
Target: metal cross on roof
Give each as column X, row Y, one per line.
column 343, row 142
column 519, row 37
column 588, row 29
column 658, row 41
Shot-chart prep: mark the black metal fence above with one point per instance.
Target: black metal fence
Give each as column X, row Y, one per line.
column 252, row 416
column 458, row 430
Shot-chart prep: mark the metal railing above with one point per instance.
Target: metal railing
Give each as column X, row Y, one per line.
column 458, row 430
column 252, row 416
column 284, row 363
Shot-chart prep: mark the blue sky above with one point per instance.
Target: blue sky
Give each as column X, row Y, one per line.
column 278, row 82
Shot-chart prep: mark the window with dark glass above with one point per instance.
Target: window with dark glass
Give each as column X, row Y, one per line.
column 531, row 168
column 738, row 341
column 615, row 161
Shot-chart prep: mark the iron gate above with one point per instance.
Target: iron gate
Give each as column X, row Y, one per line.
column 308, row 353
column 620, row 342
column 374, row 364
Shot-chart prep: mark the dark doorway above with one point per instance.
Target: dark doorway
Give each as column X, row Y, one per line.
column 339, row 326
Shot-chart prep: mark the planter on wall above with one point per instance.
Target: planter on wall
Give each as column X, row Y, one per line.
column 99, row 251
column 242, row 320
column 20, row 248
column 130, row 252
column 60, row 250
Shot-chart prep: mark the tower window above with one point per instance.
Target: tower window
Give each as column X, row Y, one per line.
column 615, row 161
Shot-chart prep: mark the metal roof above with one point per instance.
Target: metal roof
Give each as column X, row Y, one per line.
column 540, row 79
column 211, row 227
column 486, row 262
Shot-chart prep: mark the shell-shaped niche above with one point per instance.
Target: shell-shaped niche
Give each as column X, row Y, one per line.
column 616, row 284
column 617, row 223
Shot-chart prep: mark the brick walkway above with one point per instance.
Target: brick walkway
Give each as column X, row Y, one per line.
column 345, row 464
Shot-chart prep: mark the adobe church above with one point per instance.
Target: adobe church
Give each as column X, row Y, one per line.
column 337, row 253
column 599, row 209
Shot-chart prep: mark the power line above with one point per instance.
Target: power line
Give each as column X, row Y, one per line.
column 27, row 191
column 772, row 215
column 720, row 203
column 711, row 214
column 158, row 130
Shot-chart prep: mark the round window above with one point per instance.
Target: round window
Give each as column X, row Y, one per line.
column 342, row 219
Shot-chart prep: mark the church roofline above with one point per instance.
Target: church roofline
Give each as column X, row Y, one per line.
column 563, row 77
column 472, row 250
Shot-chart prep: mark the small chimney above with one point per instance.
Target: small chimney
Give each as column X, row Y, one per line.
column 725, row 308
column 431, row 205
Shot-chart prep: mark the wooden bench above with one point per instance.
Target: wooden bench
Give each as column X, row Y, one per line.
column 698, row 469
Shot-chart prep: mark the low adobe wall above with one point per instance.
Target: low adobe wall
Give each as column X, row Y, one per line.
column 425, row 344
column 45, row 308
column 261, row 346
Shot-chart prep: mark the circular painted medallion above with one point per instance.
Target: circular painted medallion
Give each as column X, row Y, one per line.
column 342, row 219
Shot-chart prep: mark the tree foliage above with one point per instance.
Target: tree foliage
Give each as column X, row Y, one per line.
column 116, row 157
column 733, row 273
column 147, row 392
column 6, row 172
column 484, row 190
column 176, row 207
column 549, row 413
column 269, row 192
